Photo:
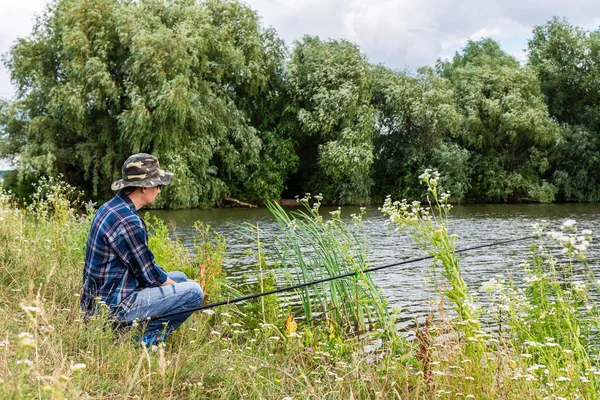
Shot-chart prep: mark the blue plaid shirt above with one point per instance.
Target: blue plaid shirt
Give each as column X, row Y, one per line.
column 117, row 261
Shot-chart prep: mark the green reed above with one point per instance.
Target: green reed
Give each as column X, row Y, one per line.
column 311, row 247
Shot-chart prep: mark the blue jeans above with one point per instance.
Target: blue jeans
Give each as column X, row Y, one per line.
column 149, row 302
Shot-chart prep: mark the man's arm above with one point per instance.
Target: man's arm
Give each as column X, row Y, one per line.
column 133, row 250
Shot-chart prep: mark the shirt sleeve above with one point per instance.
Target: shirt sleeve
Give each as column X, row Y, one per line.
column 132, row 248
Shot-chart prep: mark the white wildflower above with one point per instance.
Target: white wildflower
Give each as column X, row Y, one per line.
column 489, row 286
column 78, row 367
column 27, row 342
column 30, row 308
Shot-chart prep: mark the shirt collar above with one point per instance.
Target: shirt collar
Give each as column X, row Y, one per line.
column 125, row 199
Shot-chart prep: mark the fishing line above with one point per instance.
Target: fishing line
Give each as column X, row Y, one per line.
column 303, row 285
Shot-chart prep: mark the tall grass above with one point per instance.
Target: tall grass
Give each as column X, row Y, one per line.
column 48, row 351
column 541, row 343
column 313, row 248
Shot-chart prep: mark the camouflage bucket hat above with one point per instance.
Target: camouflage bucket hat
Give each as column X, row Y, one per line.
column 142, row 170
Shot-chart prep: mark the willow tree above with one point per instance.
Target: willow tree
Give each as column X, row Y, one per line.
column 329, row 89
column 566, row 59
column 416, row 120
column 506, row 125
column 98, row 80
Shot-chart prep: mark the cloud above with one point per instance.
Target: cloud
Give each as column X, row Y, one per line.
column 415, row 33
column 398, row 33
column 16, row 20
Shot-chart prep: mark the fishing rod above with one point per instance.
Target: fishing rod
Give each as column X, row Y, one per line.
column 122, row 324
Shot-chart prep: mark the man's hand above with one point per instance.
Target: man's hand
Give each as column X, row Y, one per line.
column 168, row 282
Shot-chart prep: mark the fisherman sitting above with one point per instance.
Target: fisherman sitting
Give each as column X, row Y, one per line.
column 120, row 269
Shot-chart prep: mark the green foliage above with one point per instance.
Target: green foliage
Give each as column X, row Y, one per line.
column 102, row 79
column 454, row 161
column 480, row 53
column 49, row 351
column 415, row 118
column 55, row 200
column 565, row 58
column 328, row 84
column 429, row 228
column 543, row 342
column 310, row 249
column 577, row 165
column 545, row 327
column 505, row 125
column 168, row 251
column 22, row 188
column 266, row 309
column 210, row 248
column 224, row 105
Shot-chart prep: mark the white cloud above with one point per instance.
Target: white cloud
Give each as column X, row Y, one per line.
column 408, row 32
column 16, row 20
column 398, row 33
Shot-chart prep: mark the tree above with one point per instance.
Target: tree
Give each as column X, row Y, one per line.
column 102, row 79
column 506, row 126
column 576, row 163
column 560, row 55
column 416, row 118
column 567, row 61
column 329, row 89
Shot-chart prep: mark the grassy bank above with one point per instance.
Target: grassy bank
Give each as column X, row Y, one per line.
column 536, row 339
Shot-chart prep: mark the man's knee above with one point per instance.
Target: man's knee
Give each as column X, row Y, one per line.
column 193, row 294
column 177, row 276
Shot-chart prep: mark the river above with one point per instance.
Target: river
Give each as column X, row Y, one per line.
column 404, row 286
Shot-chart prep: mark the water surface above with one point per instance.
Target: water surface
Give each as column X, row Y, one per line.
column 405, row 286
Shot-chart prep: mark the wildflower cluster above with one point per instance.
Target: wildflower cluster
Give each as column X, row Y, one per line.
column 573, row 244
column 428, row 227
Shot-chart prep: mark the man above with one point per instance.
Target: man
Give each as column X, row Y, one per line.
column 120, row 269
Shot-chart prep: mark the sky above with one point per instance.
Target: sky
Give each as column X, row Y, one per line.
column 398, row 33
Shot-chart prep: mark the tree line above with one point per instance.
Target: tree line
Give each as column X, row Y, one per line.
column 233, row 112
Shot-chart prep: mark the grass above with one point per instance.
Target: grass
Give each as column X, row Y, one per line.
column 541, row 344
column 311, row 248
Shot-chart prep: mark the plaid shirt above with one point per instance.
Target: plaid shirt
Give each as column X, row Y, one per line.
column 117, row 261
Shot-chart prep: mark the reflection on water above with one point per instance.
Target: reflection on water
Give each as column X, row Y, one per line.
column 405, row 286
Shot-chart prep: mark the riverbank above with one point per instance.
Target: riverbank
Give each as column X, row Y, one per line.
column 545, row 346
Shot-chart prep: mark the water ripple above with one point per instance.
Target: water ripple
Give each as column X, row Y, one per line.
column 404, row 286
